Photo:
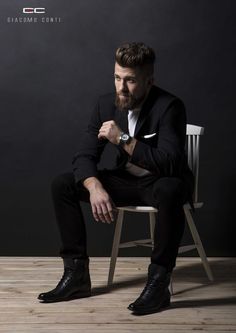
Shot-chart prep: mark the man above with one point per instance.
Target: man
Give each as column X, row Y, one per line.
column 147, row 126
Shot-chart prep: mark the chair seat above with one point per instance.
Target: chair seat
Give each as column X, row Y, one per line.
column 138, row 209
column 150, row 209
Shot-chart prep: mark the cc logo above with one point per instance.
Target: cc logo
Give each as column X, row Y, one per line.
column 33, row 10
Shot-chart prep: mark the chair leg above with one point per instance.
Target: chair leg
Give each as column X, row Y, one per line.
column 171, row 289
column 198, row 243
column 152, row 220
column 115, row 246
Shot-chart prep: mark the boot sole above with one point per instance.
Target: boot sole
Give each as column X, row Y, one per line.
column 75, row 295
column 146, row 311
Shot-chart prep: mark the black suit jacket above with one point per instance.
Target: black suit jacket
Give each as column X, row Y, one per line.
column 160, row 131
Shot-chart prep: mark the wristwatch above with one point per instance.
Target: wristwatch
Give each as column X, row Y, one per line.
column 124, row 138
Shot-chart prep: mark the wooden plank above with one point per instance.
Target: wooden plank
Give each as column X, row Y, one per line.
column 111, row 328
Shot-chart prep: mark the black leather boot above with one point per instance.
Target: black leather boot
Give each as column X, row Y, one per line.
column 75, row 282
column 155, row 295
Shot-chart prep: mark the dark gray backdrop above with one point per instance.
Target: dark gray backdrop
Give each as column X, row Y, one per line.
column 50, row 77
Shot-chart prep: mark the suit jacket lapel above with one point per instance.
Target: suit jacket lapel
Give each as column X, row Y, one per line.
column 121, row 118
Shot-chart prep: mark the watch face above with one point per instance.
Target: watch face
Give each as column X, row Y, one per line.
column 125, row 137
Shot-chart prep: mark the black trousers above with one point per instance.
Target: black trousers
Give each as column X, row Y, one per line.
column 167, row 194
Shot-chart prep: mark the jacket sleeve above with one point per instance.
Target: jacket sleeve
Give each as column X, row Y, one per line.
column 166, row 158
column 88, row 155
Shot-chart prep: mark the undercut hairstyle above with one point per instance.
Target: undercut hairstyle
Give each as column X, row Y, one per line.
column 136, row 55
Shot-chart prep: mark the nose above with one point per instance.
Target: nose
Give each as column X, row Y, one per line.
column 123, row 86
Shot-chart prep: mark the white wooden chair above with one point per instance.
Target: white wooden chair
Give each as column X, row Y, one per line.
column 193, row 140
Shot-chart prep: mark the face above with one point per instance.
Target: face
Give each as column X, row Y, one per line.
column 132, row 86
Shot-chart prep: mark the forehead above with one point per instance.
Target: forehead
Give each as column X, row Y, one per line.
column 126, row 71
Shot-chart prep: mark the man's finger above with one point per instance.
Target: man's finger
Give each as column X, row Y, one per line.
column 94, row 211
column 100, row 214
column 110, row 211
column 106, row 213
column 101, row 135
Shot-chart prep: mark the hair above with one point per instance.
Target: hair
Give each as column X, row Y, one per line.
column 136, row 55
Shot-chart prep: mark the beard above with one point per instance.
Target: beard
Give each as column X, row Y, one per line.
column 128, row 102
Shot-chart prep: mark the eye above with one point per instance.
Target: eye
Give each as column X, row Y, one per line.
column 131, row 80
column 117, row 78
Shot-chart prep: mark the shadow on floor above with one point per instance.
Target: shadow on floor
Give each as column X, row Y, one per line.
column 222, row 272
column 203, row 302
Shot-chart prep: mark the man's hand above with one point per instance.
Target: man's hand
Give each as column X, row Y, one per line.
column 101, row 203
column 110, row 131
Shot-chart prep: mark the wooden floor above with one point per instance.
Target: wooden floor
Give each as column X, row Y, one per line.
column 197, row 305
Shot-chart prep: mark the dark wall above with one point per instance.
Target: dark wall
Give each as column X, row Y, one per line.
column 50, row 77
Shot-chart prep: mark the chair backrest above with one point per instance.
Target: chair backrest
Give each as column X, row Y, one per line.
column 193, row 145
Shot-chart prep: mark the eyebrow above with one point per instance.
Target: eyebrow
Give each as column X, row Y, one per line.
column 127, row 77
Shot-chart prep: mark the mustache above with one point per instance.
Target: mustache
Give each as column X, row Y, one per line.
column 124, row 94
